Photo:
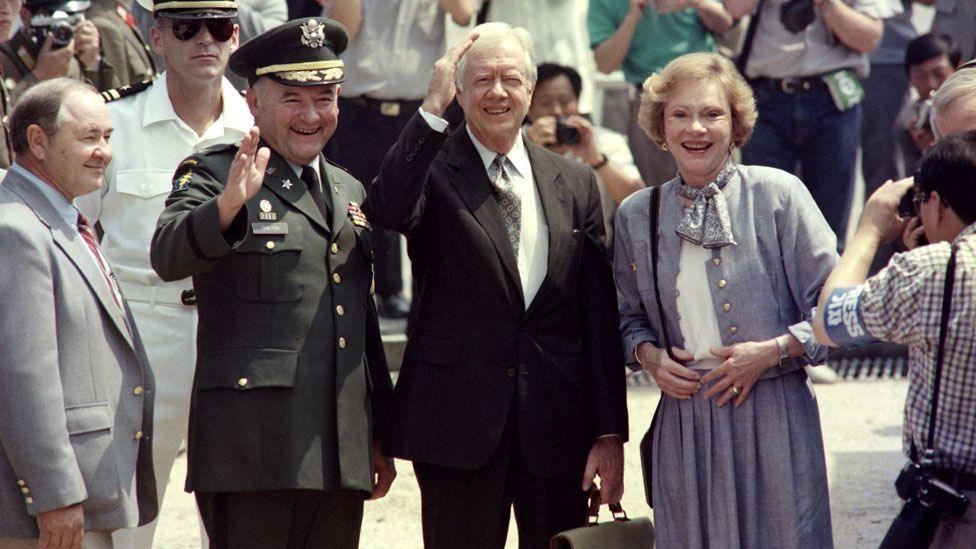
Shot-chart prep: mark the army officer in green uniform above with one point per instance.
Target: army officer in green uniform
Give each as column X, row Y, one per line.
column 291, row 381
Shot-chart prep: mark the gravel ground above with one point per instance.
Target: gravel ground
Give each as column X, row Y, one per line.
column 862, row 432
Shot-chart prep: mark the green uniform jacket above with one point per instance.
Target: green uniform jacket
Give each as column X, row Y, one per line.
column 290, row 364
column 123, row 46
column 17, row 63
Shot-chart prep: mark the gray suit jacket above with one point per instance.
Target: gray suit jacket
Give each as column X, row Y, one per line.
column 74, row 386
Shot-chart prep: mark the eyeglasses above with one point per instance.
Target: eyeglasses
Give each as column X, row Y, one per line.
column 917, row 199
column 220, row 28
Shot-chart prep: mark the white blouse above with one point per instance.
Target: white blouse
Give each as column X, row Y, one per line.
column 697, row 321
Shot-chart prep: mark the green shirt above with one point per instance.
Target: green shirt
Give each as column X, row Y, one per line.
column 657, row 39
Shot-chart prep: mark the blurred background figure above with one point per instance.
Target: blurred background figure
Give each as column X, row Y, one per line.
column 393, row 45
column 123, row 44
column 929, row 60
column 554, row 122
column 641, row 37
column 957, row 20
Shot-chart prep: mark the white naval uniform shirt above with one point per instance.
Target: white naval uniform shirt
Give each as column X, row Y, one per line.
column 149, row 142
column 533, row 255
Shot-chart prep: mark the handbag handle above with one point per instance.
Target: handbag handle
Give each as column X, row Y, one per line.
column 655, row 208
column 593, row 514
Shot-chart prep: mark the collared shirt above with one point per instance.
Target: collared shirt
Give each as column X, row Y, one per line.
column 149, row 142
column 68, row 213
column 778, row 53
column 533, row 253
column 394, row 53
column 903, row 304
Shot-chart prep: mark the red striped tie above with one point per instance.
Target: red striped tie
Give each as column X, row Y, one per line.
column 86, row 233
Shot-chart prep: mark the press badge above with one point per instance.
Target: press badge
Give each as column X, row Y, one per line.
column 842, row 318
column 845, row 89
column 269, row 228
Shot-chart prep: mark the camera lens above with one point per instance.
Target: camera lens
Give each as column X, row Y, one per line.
column 566, row 134
column 61, row 34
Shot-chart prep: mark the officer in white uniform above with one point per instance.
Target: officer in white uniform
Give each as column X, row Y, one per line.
column 189, row 107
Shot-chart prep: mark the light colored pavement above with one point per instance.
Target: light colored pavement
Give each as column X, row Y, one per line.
column 862, row 434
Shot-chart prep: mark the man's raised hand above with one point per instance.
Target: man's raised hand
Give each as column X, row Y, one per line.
column 245, row 178
column 442, row 87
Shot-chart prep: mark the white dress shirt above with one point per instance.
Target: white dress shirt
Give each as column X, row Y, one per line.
column 149, row 142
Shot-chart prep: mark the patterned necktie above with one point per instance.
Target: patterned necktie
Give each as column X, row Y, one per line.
column 321, row 198
column 84, row 228
column 508, row 200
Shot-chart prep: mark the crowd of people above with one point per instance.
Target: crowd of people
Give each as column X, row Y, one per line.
column 187, row 261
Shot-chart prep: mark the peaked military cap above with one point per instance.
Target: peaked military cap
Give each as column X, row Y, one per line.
column 191, row 9
column 302, row 52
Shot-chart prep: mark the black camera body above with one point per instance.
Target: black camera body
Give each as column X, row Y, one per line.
column 566, row 134
column 928, row 500
column 797, row 15
column 58, row 20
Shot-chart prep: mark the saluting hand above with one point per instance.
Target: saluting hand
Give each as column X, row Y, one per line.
column 442, row 87
column 245, row 178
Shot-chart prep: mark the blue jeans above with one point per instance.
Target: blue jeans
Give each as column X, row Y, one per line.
column 804, row 133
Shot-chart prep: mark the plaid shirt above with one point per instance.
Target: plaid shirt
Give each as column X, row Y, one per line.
column 903, row 304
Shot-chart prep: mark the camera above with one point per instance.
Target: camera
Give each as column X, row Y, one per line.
column 797, row 15
column 906, row 207
column 566, row 134
column 58, row 20
column 928, row 500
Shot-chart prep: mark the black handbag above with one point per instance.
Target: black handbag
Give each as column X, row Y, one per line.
column 647, row 442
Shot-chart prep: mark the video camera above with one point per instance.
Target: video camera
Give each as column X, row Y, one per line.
column 57, row 18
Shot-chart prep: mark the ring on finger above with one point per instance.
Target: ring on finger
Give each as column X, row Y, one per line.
column 736, row 391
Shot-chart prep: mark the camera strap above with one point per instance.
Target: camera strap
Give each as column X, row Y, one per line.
column 940, row 353
column 743, row 58
column 655, row 208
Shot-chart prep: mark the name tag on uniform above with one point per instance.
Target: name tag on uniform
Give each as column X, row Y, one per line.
column 269, row 228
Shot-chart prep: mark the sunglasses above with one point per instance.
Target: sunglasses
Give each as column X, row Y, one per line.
column 220, row 28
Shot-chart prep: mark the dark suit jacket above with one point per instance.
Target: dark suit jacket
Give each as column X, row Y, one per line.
column 473, row 346
column 290, row 366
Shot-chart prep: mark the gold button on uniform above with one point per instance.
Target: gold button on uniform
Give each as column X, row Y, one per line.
column 24, row 490
column 20, row 482
column 270, row 245
column 342, row 343
column 138, row 435
column 138, row 390
column 633, row 267
column 722, row 283
column 727, row 307
column 29, row 500
column 733, row 330
column 716, row 261
column 340, row 310
column 242, row 382
column 334, row 248
column 336, row 278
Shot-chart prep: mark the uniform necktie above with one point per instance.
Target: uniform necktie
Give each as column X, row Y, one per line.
column 84, row 228
column 508, row 200
column 321, row 198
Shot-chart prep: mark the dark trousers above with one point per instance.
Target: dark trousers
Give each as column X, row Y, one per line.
column 360, row 143
column 471, row 509
column 806, row 129
column 282, row 519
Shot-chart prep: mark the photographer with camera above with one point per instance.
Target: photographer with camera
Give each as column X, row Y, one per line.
column 923, row 299
column 554, row 122
column 56, row 40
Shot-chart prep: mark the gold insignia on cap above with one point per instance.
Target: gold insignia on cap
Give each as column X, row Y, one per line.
column 313, row 33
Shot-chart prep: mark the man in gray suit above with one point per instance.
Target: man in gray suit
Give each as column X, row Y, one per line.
column 75, row 394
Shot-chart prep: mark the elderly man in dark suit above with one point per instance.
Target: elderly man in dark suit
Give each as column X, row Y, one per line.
column 76, row 393
column 285, row 414
column 512, row 387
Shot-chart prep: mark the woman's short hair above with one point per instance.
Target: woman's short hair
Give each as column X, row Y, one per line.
column 41, row 106
column 698, row 67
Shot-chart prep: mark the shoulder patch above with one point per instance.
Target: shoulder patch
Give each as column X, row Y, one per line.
column 125, row 91
column 184, row 173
